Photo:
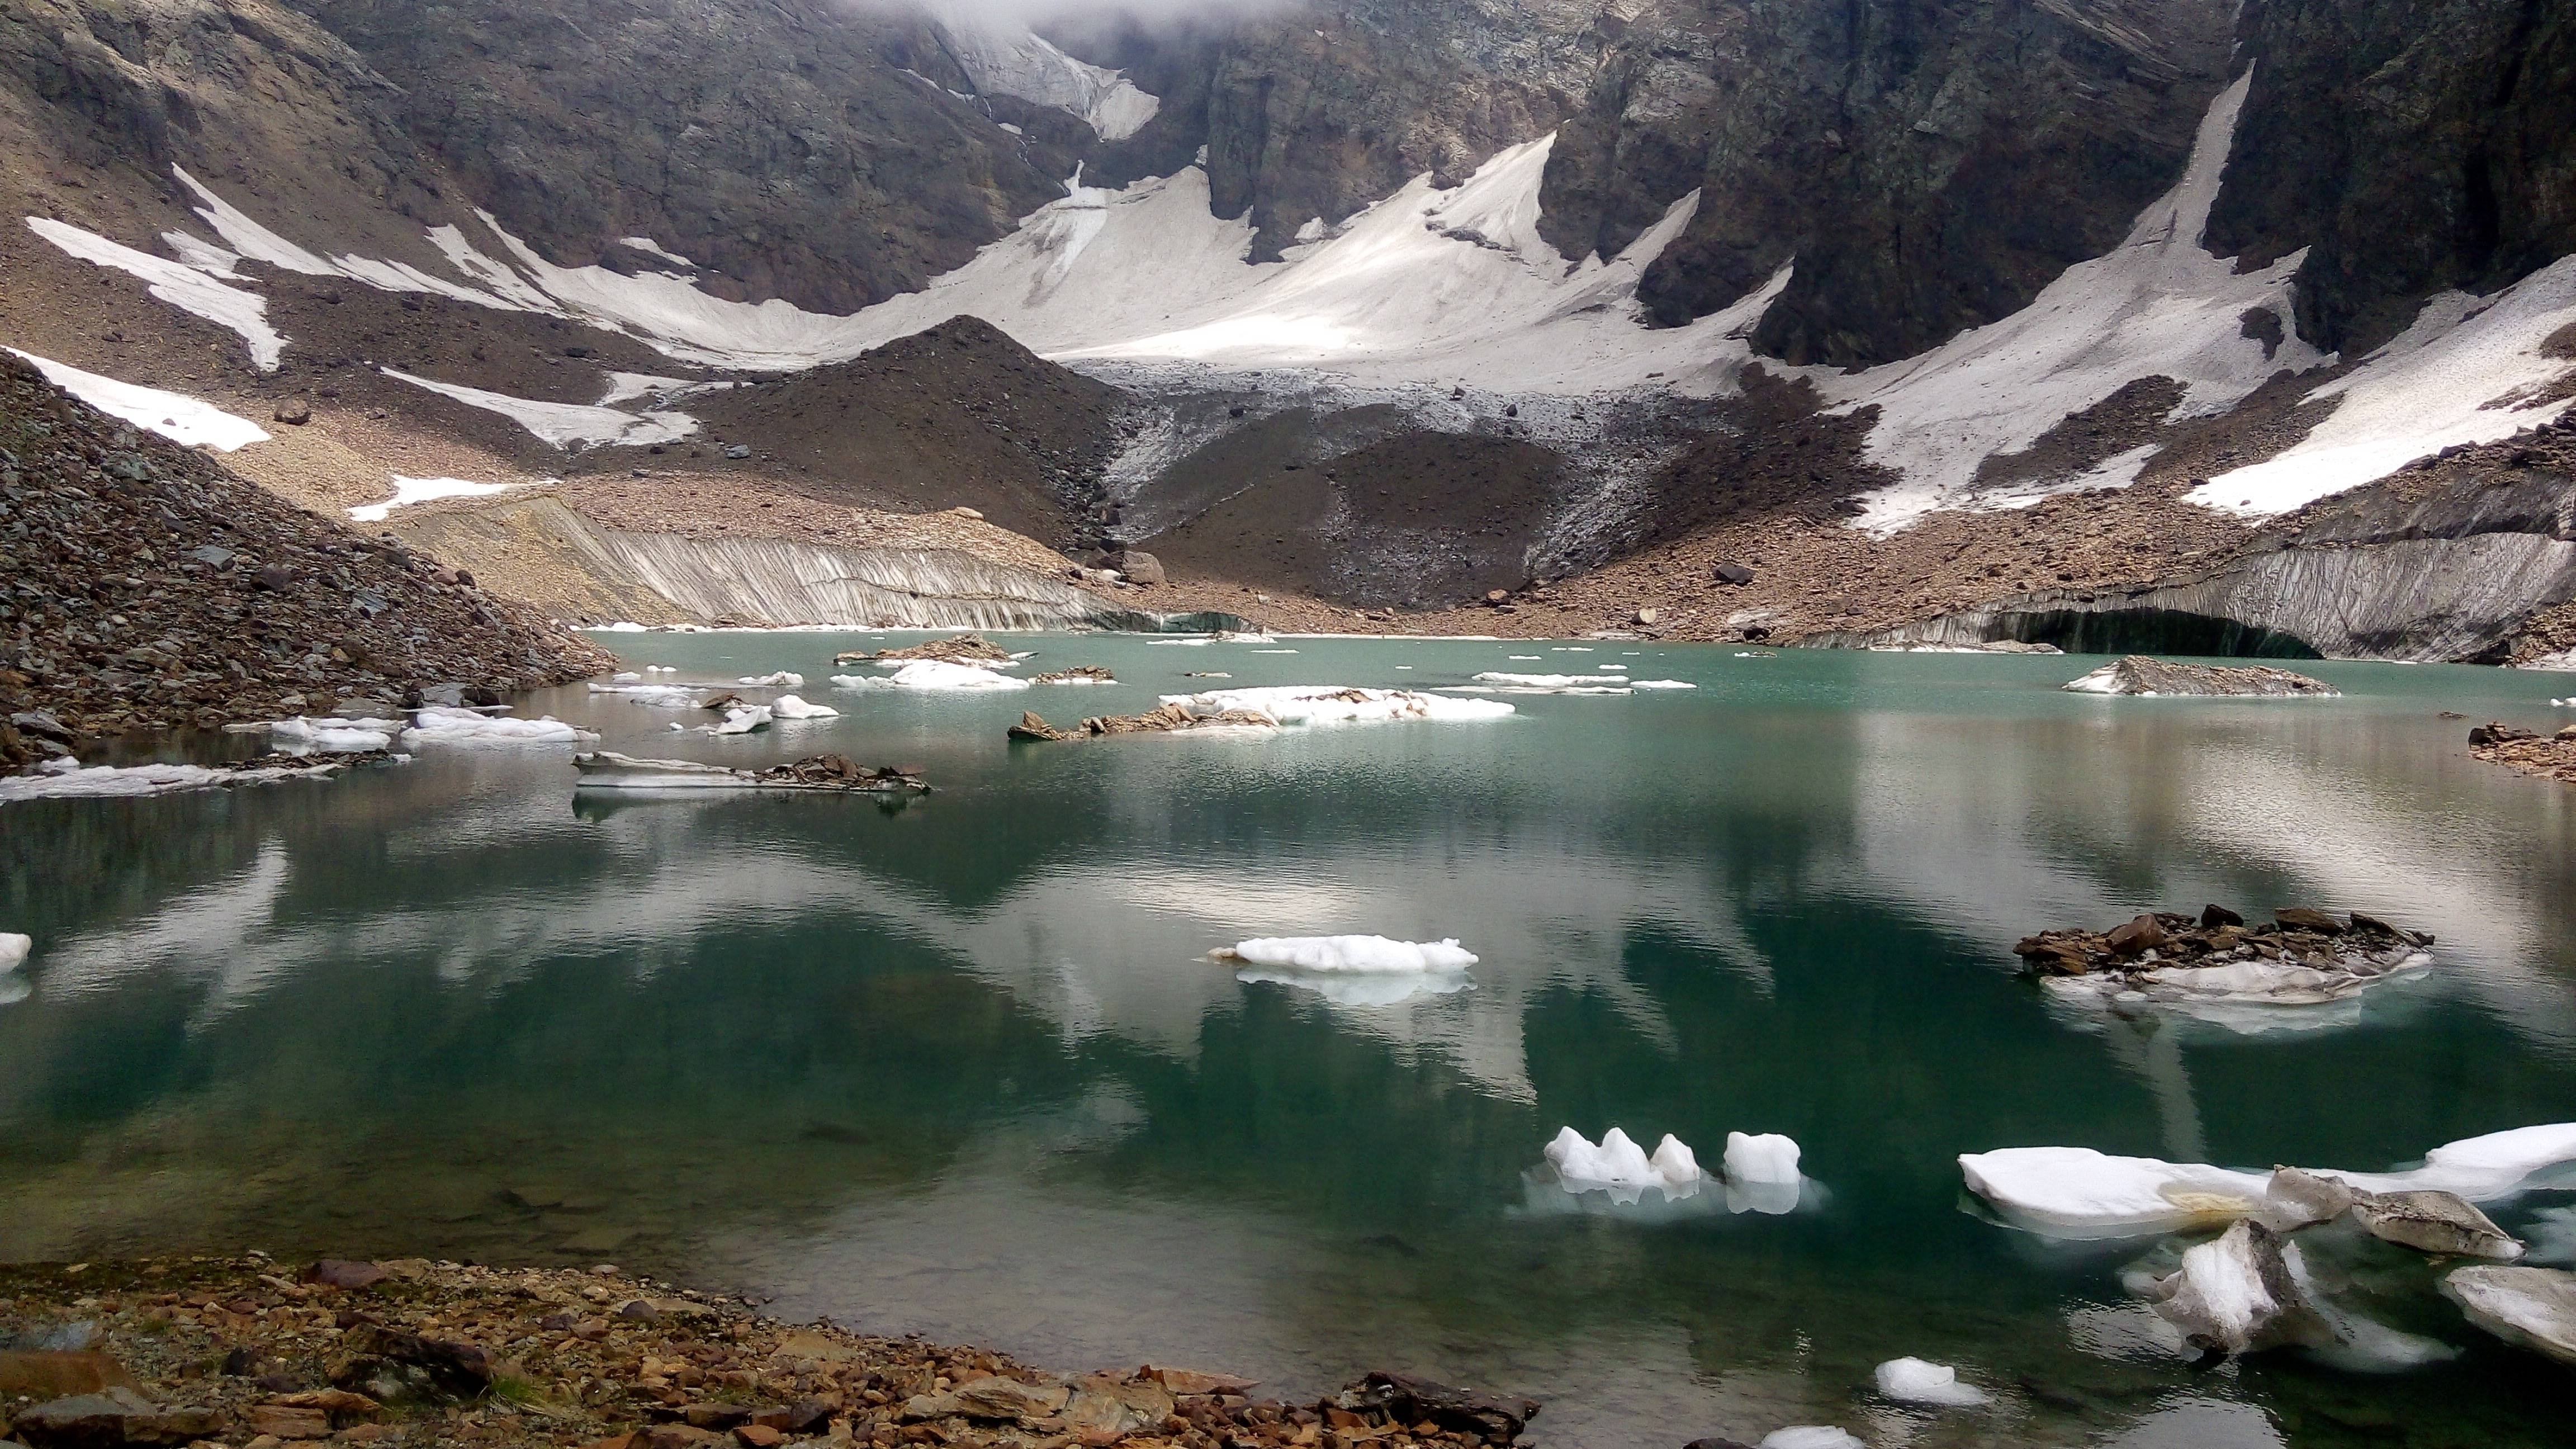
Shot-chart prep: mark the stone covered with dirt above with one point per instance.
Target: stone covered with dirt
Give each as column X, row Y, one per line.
column 2219, row 936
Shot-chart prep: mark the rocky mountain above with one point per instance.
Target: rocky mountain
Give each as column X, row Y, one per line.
column 1386, row 304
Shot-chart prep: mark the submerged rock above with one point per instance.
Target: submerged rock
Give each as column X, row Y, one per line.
column 2533, row 1307
column 609, row 770
column 2139, row 674
column 1165, row 717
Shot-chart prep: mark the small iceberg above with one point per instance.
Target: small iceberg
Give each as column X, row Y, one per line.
column 1322, row 704
column 14, row 947
column 1349, row 953
column 441, row 724
column 1913, row 1381
column 1809, row 1436
column 2147, row 678
column 932, row 674
column 782, row 679
column 103, row 781
column 788, row 706
column 1762, row 1174
column 1551, row 683
column 2532, row 1307
column 1343, row 988
column 1661, row 684
column 742, row 719
column 652, row 696
column 1621, row 1168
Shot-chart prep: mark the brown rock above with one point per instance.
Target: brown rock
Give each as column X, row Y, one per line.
column 1141, row 568
column 2213, row 916
column 294, row 413
column 344, row 1273
column 2145, row 933
column 35, row 1375
column 2301, row 918
column 1192, row 1381
column 288, row 1421
column 114, row 1416
column 759, row 1436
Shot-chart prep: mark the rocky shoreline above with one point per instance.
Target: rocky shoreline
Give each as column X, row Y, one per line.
column 248, row 1352
column 2549, row 756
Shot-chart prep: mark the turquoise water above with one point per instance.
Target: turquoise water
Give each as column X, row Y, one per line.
column 961, row 1066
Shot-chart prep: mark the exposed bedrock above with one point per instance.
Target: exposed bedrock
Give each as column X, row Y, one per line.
column 1930, row 166
column 2412, row 145
column 2419, row 567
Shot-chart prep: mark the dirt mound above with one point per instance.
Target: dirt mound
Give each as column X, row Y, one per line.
column 956, row 415
column 148, row 587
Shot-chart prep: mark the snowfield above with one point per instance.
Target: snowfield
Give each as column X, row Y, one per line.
column 176, row 416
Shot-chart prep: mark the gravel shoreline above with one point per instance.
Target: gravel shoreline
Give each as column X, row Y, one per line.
column 248, row 1352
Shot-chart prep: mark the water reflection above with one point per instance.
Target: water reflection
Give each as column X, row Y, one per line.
column 966, row 1068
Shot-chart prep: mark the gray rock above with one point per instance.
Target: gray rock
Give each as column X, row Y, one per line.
column 2436, row 1222
column 1733, row 573
column 293, row 412
column 738, row 451
column 1140, row 567
column 115, row 1416
column 213, row 555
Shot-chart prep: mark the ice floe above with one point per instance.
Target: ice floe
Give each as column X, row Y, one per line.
column 1810, row 1436
column 657, row 696
column 1661, row 684
column 2533, row 1307
column 1351, row 953
column 14, row 946
column 1913, row 1381
column 1551, row 683
column 2076, row 1192
column 781, row 679
column 932, row 674
column 98, row 781
column 440, row 724
column 1322, row 704
column 180, row 418
column 191, row 286
column 333, row 735
column 743, row 719
column 565, row 424
column 408, row 491
column 1343, row 988
column 788, row 706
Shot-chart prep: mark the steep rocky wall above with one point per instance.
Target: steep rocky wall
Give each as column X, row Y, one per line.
column 1931, row 164
column 2414, row 145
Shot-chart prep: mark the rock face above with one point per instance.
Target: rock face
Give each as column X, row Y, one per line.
column 113, row 624
column 2139, row 675
column 2412, row 146
column 1930, row 166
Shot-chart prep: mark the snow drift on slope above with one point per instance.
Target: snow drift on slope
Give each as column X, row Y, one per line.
column 408, row 491
column 564, row 424
column 193, row 285
column 176, row 416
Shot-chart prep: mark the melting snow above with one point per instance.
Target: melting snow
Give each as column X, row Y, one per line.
column 408, row 491
column 2159, row 305
column 190, row 286
column 565, row 423
column 176, row 416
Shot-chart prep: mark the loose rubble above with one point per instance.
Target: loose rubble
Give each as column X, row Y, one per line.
column 144, row 586
column 408, row 1354
column 2140, row 675
column 2301, row 957
column 1079, row 674
column 2550, row 756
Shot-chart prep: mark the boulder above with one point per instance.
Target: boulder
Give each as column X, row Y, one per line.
column 1140, row 568
column 396, row 1367
column 1404, row 1399
column 343, row 1272
column 2300, row 918
column 293, row 412
column 2533, row 1307
column 1733, row 574
column 2141, row 934
column 2435, row 1222
column 42, row 1375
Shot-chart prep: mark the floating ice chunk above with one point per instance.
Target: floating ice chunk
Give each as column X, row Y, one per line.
column 1343, row 988
column 329, row 735
column 788, row 706
column 661, row 669
column 782, row 679
column 1317, row 704
column 2533, row 1307
column 1352, row 953
column 1551, row 683
column 408, row 491
column 742, row 719
column 657, row 696
column 174, row 415
column 1661, row 684
column 623, row 626
column 627, row 676
column 190, row 288
column 2076, row 1192
column 14, row 947
column 439, row 724
column 1766, row 1158
column 1620, row 1167
column 1913, row 1381
column 932, row 674
column 2233, row 1293
column 121, row 780
column 1809, row 1436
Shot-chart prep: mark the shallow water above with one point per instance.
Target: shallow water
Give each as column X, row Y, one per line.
column 961, row 1067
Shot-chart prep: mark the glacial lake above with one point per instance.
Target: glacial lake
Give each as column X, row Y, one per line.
column 963, row 1067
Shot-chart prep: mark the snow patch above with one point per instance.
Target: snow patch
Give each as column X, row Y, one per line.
column 564, row 424
column 180, row 418
column 189, row 286
column 408, row 491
